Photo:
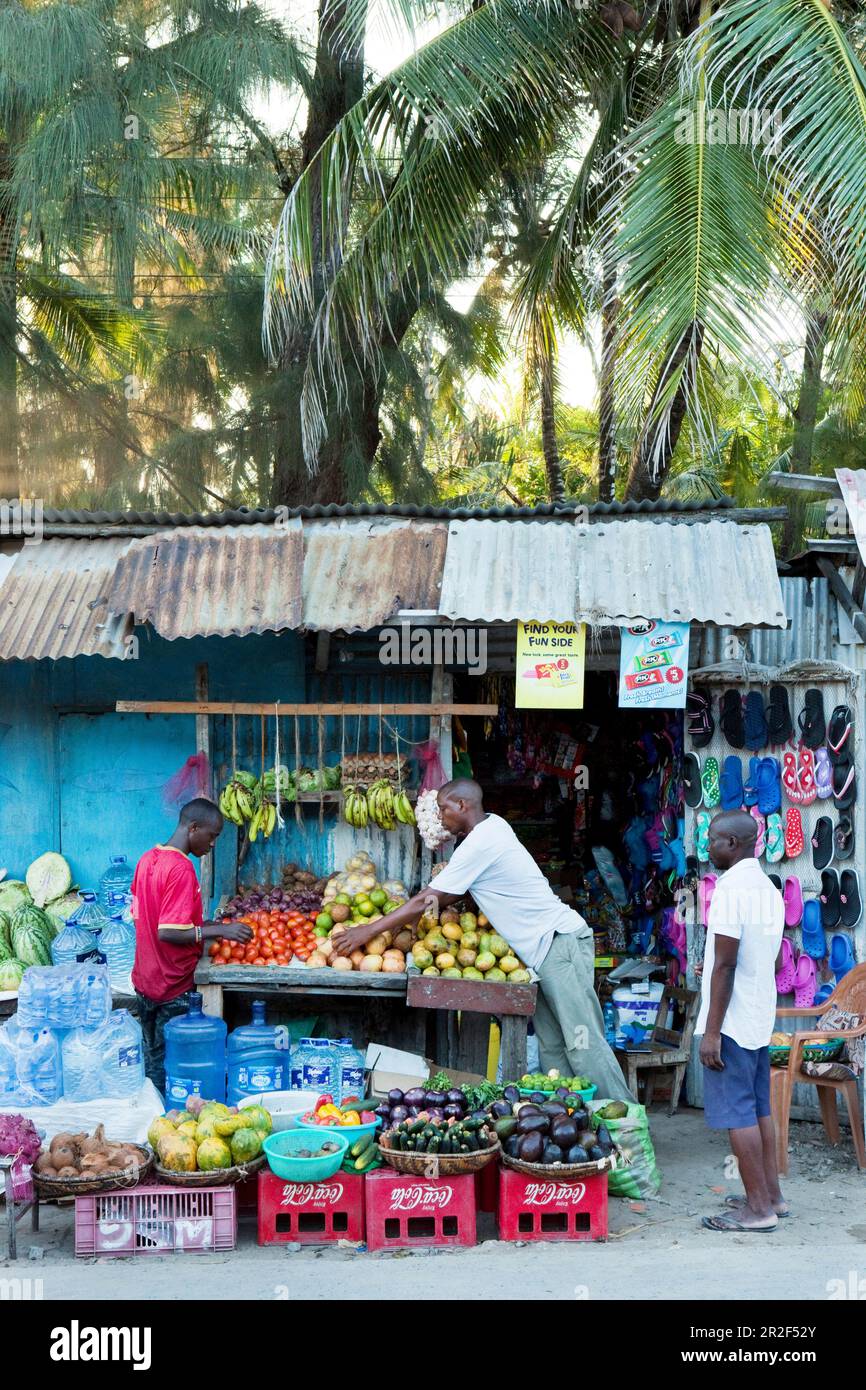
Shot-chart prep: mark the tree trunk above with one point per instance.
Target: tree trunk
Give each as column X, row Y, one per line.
column 654, row 449
column 607, row 457
column 805, row 418
column 549, row 446
column 10, row 480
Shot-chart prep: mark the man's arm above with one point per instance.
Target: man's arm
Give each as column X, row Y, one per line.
column 356, row 937
column 210, row 931
column 721, row 989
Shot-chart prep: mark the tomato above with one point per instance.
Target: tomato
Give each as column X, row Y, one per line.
column 259, row 960
column 250, row 954
column 267, row 949
column 237, row 953
column 303, row 954
column 213, row 948
column 282, row 958
column 220, row 960
column 226, row 951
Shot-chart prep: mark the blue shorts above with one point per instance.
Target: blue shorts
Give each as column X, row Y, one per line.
column 739, row 1096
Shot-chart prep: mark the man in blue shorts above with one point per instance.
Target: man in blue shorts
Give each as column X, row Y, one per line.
column 738, row 1010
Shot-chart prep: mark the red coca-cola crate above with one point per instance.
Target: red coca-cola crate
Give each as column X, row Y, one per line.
column 552, row 1208
column 405, row 1211
column 311, row 1213
column 487, row 1187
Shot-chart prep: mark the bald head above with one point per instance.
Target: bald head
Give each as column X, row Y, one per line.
column 733, row 835
column 461, row 805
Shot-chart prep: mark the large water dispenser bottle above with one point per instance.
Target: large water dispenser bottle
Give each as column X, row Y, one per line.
column 74, row 944
column 195, row 1056
column 116, row 879
column 257, row 1057
column 352, row 1066
column 117, row 944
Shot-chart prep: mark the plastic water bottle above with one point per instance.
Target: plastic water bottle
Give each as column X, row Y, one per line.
column 117, row 944
column 116, row 879
column 94, row 996
column 30, row 1065
column 91, row 917
column 122, row 1055
column 320, row 1069
column 82, row 1072
column 352, row 1067
column 73, row 944
column 256, row 1057
column 195, row 1056
column 609, row 1013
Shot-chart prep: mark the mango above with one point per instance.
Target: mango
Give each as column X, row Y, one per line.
column 484, row 961
column 159, row 1126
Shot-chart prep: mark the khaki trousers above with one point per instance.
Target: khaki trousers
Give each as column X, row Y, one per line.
column 568, row 1019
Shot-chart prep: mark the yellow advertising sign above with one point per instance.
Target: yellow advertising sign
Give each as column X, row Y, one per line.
column 550, row 665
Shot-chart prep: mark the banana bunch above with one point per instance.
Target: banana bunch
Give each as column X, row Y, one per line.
column 380, row 804
column 263, row 821
column 403, row 809
column 239, row 799
column 355, row 807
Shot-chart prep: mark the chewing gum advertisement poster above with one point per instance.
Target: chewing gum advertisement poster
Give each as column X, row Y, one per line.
column 653, row 665
column 550, row 665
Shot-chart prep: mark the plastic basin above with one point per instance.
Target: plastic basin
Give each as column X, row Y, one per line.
column 281, row 1152
column 282, row 1106
column 350, row 1132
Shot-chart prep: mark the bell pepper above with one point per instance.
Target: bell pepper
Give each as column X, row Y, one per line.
column 350, row 1117
column 325, row 1112
column 368, row 1117
column 324, row 1100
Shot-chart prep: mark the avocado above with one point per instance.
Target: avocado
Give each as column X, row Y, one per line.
column 512, row 1146
column 505, row 1127
column 596, row 1152
column 531, row 1148
column 552, row 1154
column 613, row 1110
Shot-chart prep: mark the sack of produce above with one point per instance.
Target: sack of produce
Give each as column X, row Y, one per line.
column 638, row 1175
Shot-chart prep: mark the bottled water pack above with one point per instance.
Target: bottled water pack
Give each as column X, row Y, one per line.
column 30, row 1065
column 64, row 996
column 104, row 1062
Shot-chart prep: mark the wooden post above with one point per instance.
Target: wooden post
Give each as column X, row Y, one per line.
column 512, row 1048
column 211, row 1000
column 441, row 689
column 203, row 745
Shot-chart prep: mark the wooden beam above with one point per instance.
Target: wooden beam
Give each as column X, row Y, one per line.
column 843, row 595
column 198, row 707
column 804, row 482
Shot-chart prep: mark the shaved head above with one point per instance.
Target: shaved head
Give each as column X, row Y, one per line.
column 461, row 805
column 733, row 835
column 463, row 789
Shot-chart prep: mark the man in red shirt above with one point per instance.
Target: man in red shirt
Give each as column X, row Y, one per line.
column 169, row 931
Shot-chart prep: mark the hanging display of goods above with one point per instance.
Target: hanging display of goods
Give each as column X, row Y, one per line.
column 370, row 767
column 381, row 804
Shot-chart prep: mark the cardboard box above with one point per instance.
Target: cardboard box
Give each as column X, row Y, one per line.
column 391, row 1070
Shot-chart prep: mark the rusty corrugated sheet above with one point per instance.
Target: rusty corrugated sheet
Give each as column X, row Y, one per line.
column 205, row 583
column 360, row 573
column 54, row 601
column 611, row 572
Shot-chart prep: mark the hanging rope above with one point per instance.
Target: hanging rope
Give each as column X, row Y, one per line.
column 234, row 742
column 321, row 772
column 277, row 770
column 299, row 819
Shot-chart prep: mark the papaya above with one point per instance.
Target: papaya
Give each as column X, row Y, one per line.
column 188, row 1128
column 229, row 1126
column 246, row 1144
column 176, row 1153
column 205, row 1129
column 159, row 1126
column 213, row 1109
column 213, row 1153
column 257, row 1117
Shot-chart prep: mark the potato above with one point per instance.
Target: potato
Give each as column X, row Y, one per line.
column 317, row 961
column 377, row 945
column 371, row 964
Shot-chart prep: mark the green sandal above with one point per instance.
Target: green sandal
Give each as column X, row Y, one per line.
column 710, row 782
column 702, row 836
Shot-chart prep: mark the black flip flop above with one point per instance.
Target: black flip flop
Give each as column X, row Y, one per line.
column 780, row 729
column 831, row 900
column 813, row 729
column 840, row 742
column 731, row 719
column 755, row 721
column 844, row 784
column 728, row 1223
column 702, row 726
column 693, row 792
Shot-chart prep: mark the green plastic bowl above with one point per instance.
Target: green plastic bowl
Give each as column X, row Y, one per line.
column 281, row 1151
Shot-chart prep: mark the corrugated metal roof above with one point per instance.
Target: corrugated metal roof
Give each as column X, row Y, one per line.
column 358, row 574
column 195, row 583
column 612, row 572
column 54, row 601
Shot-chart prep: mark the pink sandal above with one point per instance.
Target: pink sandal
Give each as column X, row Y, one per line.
column 806, row 776
column 805, row 982
column 795, row 841
column 762, row 828
column 787, row 973
column 706, row 887
column 793, row 898
column 790, row 776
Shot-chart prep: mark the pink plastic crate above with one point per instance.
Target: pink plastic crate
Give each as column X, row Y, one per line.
column 407, row 1212
column 156, row 1221
column 552, row 1208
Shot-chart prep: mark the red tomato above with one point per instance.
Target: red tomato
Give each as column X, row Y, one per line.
column 220, row 960
column 282, row 958
column 213, row 948
column 259, row 960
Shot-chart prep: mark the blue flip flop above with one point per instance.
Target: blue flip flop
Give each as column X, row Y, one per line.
column 750, row 790
column 769, row 786
column 731, row 783
column 755, row 721
column 814, row 940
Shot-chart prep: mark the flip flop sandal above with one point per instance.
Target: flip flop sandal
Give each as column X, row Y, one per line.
column 843, row 838
column 822, row 843
column 731, row 784
column 823, row 774
column 710, row 782
column 762, row 830
column 728, row 1222
column 787, row 971
column 702, row 836
column 814, row 940
column 779, row 726
column 775, row 838
column 755, row 721
column 851, row 905
column 731, row 718
column 813, row 730
column 706, row 888
column 736, row 1203
column 791, row 776
column 750, row 789
column 677, row 848
column 844, row 784
column 793, row 897
column 805, row 981
column 693, row 792
column 806, row 776
column 794, row 840
column 776, row 881
column 702, row 726
column 769, row 786
column 841, row 955
column 830, row 900
column 839, row 732
column 823, row 994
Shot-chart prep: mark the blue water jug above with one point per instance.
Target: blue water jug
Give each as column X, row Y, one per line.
column 90, row 916
column 195, row 1056
column 116, row 879
column 257, row 1057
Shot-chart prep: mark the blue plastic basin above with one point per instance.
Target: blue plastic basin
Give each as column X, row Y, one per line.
column 281, row 1151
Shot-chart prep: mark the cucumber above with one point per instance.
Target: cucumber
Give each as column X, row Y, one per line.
column 434, row 1145
column 472, row 1125
column 368, row 1159
column 368, row 1103
column 472, row 1143
column 417, row 1127
column 361, row 1145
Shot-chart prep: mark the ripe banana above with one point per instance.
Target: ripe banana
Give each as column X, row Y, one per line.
column 403, row 809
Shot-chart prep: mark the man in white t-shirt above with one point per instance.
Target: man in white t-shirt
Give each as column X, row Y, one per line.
column 554, row 941
column 745, row 923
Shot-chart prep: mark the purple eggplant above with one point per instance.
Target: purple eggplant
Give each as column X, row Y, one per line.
column 435, row 1098
column 436, row 1112
column 416, row 1096
column 456, row 1097
column 398, row 1113
column 397, row 1097
column 452, row 1111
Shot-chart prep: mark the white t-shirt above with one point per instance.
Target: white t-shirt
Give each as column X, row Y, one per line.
column 510, row 889
column 749, row 908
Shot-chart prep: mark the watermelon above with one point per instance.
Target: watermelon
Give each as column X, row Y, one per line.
column 12, row 894
column 32, row 934
column 6, row 951
column 48, row 877
column 11, row 975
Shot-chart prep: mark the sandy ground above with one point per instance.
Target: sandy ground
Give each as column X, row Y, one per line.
column 657, row 1249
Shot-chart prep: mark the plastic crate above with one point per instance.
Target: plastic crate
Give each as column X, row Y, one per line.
column 311, row 1213
column 153, row 1220
column 551, row 1208
column 487, row 1187
column 407, row 1212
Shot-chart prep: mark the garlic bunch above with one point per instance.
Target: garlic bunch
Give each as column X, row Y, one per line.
column 430, row 826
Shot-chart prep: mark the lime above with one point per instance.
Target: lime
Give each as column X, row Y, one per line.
column 343, row 898
column 325, row 920
column 379, row 897
column 366, row 908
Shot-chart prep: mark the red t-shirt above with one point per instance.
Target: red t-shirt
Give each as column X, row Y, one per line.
column 165, row 893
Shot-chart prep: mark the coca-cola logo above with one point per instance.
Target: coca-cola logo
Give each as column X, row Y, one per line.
column 545, row 1194
column 420, row 1196
column 302, row 1194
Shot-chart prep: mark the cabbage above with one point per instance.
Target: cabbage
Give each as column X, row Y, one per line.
column 332, row 778
column 60, row 911
column 48, row 878
column 12, row 894
column 11, row 975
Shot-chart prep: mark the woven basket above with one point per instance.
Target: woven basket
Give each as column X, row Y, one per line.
column 829, row 1051
column 219, row 1177
column 81, row 1187
column 423, row 1165
column 563, row 1171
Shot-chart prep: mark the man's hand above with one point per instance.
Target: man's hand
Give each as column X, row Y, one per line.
column 353, row 939
column 235, row 931
column 711, row 1052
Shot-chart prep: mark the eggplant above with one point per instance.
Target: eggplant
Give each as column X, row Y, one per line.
column 436, row 1112
column 456, row 1097
column 602, row 1135
column 539, row 1097
column 395, row 1097
column 398, row 1113
column 530, row 1148
column 417, row 1096
column 586, row 1138
column 414, row 1110
column 452, row 1111
column 577, row 1154
column 597, row 1152
column 552, row 1154
column 481, row 1115
column 383, row 1111
column 553, row 1107
column 512, row 1146
column 562, row 1092
column 563, row 1131
column 533, row 1124
column 435, row 1098
column 500, row 1109
column 581, row 1118
column 511, row 1093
